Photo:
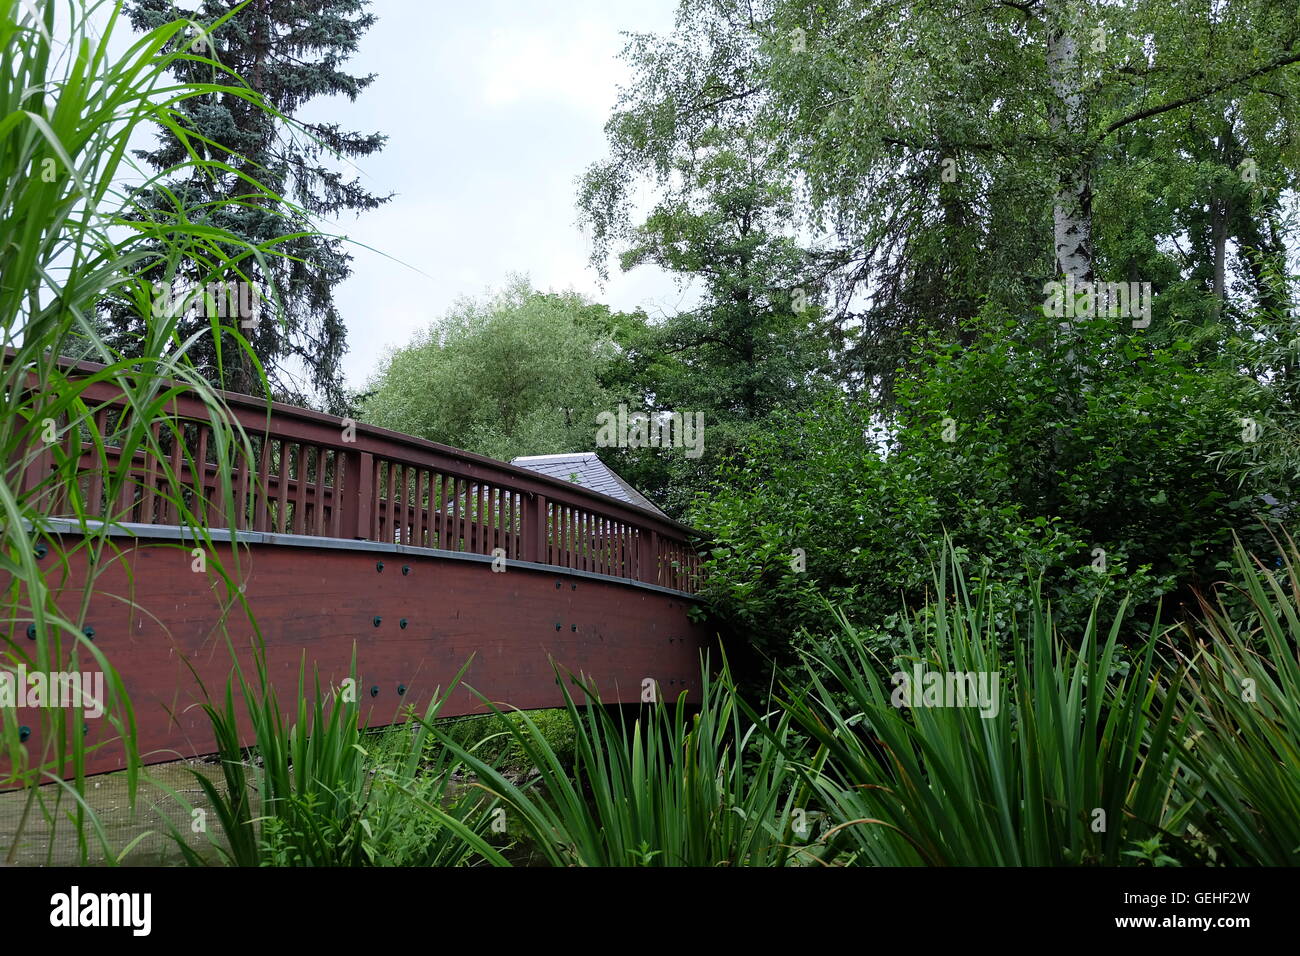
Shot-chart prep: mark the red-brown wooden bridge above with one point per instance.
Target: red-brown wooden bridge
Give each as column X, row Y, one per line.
column 414, row 556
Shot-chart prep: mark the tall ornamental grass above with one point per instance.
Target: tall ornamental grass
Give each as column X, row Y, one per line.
column 318, row 790
column 673, row 786
column 1240, row 715
column 1071, row 761
column 75, row 88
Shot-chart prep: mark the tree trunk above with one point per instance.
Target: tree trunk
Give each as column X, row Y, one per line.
column 1219, row 239
column 1072, row 208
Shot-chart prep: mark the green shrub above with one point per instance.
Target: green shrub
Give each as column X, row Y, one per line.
column 1091, row 475
column 493, row 737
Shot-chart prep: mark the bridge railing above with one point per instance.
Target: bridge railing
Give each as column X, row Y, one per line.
column 317, row 475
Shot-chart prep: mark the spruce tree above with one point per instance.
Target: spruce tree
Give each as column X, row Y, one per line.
column 289, row 52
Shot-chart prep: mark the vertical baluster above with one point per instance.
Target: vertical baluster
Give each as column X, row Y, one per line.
column 579, row 552
column 413, row 506
column 149, row 497
column 262, row 502
column 437, row 510
column 318, row 515
column 281, row 524
column 377, row 517
column 507, row 523
column 457, row 513
column 95, row 493
column 476, row 519
column 449, row 510
column 409, row 478
column 323, row 460
column 512, row 549
column 549, row 514
column 579, row 539
column 204, row 506
column 240, row 487
column 171, row 510
column 468, row 507
column 375, row 531
column 300, row 493
column 465, row 506
column 585, row 527
column 417, row 529
column 395, row 473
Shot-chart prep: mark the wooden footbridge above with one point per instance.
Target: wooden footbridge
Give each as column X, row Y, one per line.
column 348, row 540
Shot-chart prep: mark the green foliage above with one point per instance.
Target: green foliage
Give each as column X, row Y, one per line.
column 72, row 97
column 314, row 793
column 1061, row 761
column 493, row 737
column 1034, row 459
column 286, row 54
column 672, row 788
column 1240, row 711
column 934, row 148
column 520, row 373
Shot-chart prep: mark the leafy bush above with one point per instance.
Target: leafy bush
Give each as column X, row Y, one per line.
column 493, row 737
column 1086, row 464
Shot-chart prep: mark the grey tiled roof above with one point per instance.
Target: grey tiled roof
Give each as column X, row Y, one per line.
column 585, row 469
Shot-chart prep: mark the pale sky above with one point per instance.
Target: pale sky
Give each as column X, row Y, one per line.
column 492, row 110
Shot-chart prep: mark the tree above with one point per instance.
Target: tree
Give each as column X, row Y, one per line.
column 518, row 373
column 288, row 52
column 954, row 149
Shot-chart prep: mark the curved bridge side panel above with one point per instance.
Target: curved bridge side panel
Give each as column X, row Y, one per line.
column 323, row 605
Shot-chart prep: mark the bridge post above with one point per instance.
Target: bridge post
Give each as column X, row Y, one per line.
column 358, row 489
column 534, row 530
column 648, row 560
